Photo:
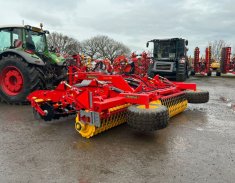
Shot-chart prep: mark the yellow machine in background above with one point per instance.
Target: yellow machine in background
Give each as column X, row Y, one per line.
column 215, row 66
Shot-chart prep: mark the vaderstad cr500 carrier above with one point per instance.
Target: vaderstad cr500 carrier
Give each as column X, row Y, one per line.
column 102, row 101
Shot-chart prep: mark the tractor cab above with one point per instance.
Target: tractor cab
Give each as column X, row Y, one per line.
column 26, row 37
column 170, row 58
column 169, row 49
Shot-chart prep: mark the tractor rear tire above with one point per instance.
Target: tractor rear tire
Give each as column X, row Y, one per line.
column 196, row 97
column 17, row 80
column 181, row 74
column 151, row 119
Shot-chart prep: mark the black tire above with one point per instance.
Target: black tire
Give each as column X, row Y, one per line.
column 192, row 73
column 31, row 79
column 197, row 97
column 209, row 74
column 151, row 74
column 218, row 73
column 181, row 74
column 147, row 119
column 50, row 112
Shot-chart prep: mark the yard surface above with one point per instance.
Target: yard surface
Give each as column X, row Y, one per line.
column 197, row 146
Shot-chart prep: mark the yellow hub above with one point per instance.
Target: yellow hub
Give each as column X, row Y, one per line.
column 156, row 102
column 87, row 130
column 151, row 106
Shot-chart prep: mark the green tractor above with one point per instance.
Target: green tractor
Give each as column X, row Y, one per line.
column 26, row 64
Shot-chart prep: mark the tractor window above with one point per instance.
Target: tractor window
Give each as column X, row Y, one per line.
column 8, row 37
column 5, row 39
column 35, row 41
column 166, row 49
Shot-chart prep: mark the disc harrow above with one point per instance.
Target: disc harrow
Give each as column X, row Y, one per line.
column 101, row 101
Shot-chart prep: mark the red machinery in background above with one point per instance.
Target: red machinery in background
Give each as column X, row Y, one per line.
column 208, row 65
column 136, row 64
column 227, row 65
column 142, row 62
column 202, row 66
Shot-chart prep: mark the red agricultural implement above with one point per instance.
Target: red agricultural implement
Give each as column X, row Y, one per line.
column 200, row 66
column 205, row 66
column 208, row 65
column 101, row 101
column 136, row 64
column 227, row 64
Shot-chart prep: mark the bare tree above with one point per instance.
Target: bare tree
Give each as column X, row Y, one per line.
column 90, row 47
column 65, row 44
column 104, row 47
column 112, row 49
column 216, row 47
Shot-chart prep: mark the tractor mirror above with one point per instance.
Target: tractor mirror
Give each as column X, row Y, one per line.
column 147, row 44
column 52, row 49
column 46, row 32
column 186, row 42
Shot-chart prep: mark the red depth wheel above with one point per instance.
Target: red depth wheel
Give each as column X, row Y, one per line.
column 11, row 80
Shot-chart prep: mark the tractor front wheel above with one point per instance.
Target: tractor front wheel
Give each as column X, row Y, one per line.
column 154, row 118
column 17, row 80
column 181, row 74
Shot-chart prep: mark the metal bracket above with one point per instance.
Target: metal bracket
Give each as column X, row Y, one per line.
column 94, row 117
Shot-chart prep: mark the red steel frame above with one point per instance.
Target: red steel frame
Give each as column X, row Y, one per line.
column 228, row 65
column 202, row 66
column 196, row 60
column 92, row 91
column 208, row 59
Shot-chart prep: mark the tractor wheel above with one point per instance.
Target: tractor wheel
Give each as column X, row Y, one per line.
column 181, row 74
column 151, row 74
column 218, row 73
column 142, row 119
column 17, row 80
column 197, row 97
column 192, row 73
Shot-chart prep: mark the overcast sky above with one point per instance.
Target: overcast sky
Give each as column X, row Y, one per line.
column 132, row 22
